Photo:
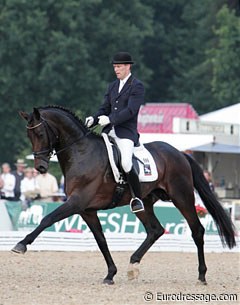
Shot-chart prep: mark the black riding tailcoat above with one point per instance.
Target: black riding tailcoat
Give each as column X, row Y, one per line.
column 122, row 108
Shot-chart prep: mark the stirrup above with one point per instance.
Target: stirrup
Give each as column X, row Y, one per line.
column 136, row 205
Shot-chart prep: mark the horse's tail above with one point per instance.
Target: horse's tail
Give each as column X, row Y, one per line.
column 222, row 219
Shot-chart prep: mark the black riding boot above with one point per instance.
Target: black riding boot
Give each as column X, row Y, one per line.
column 136, row 203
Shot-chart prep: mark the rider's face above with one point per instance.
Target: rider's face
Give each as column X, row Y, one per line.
column 121, row 70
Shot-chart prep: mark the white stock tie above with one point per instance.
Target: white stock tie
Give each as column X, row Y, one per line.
column 120, row 86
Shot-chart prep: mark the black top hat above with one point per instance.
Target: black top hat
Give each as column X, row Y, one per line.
column 122, row 58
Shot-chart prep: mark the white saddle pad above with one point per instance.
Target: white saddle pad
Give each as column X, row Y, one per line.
column 147, row 167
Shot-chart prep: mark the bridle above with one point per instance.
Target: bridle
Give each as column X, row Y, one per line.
column 46, row 153
column 49, row 151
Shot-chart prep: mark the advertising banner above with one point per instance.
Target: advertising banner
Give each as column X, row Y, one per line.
column 118, row 220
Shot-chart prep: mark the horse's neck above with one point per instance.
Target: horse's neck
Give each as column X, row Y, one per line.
column 68, row 130
column 80, row 151
column 73, row 133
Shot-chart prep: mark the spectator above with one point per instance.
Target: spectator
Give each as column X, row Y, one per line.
column 19, row 175
column 208, row 177
column 189, row 152
column 7, row 191
column 1, row 186
column 61, row 184
column 48, row 186
column 62, row 195
column 35, row 172
column 29, row 188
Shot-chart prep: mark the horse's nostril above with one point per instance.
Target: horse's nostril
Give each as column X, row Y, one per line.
column 41, row 169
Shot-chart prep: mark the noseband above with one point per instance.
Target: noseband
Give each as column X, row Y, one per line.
column 48, row 151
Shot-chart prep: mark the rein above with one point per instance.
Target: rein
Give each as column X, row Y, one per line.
column 66, row 147
column 84, row 135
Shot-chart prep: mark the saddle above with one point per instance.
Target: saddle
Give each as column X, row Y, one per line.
column 143, row 162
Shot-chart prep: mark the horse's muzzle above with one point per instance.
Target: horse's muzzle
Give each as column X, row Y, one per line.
column 42, row 169
column 41, row 166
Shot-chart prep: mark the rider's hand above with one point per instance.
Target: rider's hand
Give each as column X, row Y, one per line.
column 89, row 121
column 103, row 120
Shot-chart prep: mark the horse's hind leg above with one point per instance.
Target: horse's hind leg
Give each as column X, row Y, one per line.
column 153, row 229
column 184, row 201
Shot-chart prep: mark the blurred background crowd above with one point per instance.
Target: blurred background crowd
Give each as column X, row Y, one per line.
column 25, row 184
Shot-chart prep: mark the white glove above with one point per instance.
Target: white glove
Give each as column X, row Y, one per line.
column 103, row 120
column 89, row 121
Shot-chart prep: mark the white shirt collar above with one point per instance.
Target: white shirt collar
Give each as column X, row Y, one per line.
column 123, row 81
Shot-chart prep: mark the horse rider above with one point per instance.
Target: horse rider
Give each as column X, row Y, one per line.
column 118, row 114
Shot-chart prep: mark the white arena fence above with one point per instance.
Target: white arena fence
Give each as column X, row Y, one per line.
column 67, row 241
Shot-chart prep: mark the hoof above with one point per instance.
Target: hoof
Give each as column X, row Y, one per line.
column 133, row 271
column 108, row 282
column 200, row 282
column 19, row 248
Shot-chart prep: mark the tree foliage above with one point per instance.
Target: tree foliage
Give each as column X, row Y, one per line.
column 225, row 58
column 58, row 52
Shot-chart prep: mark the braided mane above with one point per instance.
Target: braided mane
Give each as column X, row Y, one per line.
column 72, row 116
column 68, row 111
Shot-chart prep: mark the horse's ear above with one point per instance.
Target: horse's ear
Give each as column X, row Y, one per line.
column 24, row 115
column 36, row 113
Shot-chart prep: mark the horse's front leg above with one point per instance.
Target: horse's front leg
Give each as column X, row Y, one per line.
column 65, row 210
column 93, row 223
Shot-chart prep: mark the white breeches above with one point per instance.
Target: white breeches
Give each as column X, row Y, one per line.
column 126, row 147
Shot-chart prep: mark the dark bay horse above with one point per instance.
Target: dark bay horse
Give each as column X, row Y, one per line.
column 90, row 186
